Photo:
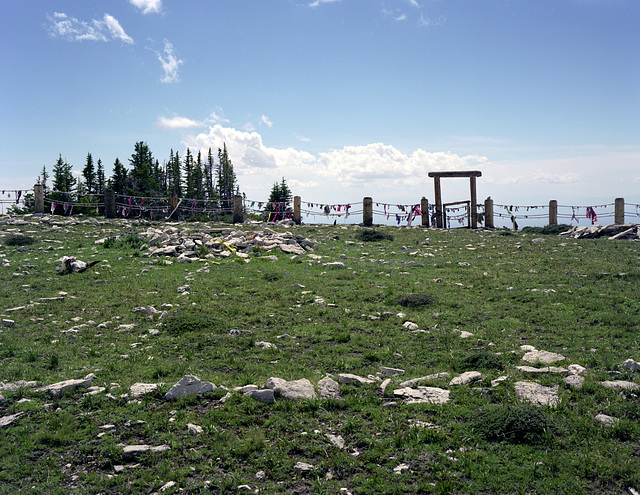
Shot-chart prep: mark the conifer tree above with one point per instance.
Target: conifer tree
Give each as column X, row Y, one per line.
column 118, row 181
column 89, row 175
column 278, row 205
column 209, row 167
column 63, row 180
column 189, row 185
column 43, row 177
column 226, row 179
column 100, row 177
column 141, row 175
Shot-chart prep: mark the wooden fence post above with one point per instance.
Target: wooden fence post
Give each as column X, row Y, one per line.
column 297, row 218
column 238, row 213
column 173, row 206
column 619, row 214
column 440, row 211
column 424, row 207
column 109, row 204
column 474, row 202
column 488, row 213
column 367, row 212
column 553, row 212
column 38, row 194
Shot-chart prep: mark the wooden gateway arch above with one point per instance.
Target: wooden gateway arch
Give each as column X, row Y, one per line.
column 440, row 210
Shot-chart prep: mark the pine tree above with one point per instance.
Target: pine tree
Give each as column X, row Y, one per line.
column 141, row 174
column 100, row 178
column 198, row 175
column 43, row 177
column 63, row 181
column 89, row 175
column 174, row 180
column 209, row 167
column 279, row 203
column 189, row 185
column 118, row 181
column 226, row 179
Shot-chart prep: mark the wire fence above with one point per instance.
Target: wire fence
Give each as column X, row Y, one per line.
column 160, row 207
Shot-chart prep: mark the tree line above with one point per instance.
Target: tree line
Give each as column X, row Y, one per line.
column 196, row 177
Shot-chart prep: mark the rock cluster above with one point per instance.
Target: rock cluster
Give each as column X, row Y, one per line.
column 222, row 242
column 613, row 232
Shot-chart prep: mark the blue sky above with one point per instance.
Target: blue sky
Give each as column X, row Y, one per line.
column 344, row 98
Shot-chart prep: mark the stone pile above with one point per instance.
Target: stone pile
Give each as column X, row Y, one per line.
column 222, row 242
column 630, row 231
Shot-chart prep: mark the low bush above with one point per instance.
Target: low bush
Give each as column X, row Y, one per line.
column 517, row 424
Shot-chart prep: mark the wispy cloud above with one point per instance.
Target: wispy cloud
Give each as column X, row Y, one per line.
column 177, row 122
column 301, row 138
column 319, row 2
column 265, row 120
column 148, row 6
column 170, row 64
column 107, row 29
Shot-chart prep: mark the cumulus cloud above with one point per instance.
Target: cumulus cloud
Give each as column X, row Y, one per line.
column 177, row 122
column 148, row 6
column 107, row 29
column 170, row 64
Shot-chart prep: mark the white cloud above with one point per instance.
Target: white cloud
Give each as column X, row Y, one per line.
column 301, row 138
column 72, row 29
column 265, row 120
column 148, row 6
column 414, row 3
column 319, row 2
column 170, row 64
column 116, row 30
column 177, row 122
column 217, row 117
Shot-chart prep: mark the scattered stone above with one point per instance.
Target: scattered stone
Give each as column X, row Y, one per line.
column 137, row 390
column 336, row 440
column 575, row 381
column 7, row 420
column 58, row 389
column 409, row 325
column 348, row 378
column 629, row 364
column 303, row 467
column 167, row 486
column 621, row 385
column 189, row 385
column 241, row 488
column 401, row 468
column 576, row 369
column 429, row 395
column 383, row 386
column 264, row 395
column 13, row 386
column 328, row 388
column 296, row 389
column 8, row 323
column 613, row 232
column 386, row 372
column 274, row 381
column 606, row 420
column 537, row 394
column 194, row 430
column 543, row 357
column 467, row 377
column 548, row 369
column 132, row 451
column 527, row 348
column 415, row 381
column 499, row 380
column 465, row 335
column 266, row 345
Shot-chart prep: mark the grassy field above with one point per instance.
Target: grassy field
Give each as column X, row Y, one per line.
column 580, row 299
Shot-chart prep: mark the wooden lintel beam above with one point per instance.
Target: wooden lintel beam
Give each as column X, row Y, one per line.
column 471, row 173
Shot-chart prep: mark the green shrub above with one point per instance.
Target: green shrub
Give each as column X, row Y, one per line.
column 18, row 240
column 372, row 235
column 517, row 424
column 187, row 323
column 416, row 300
column 548, row 230
column 481, row 360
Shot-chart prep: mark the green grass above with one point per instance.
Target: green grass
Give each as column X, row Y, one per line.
column 575, row 297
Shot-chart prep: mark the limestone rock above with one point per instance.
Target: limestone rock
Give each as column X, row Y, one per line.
column 328, row 387
column 544, row 357
column 137, row 390
column 266, row 345
column 621, row 385
column 58, row 389
column 409, row 325
column 576, row 369
column 274, row 381
column 194, row 430
column 575, row 381
column 414, row 381
column 336, row 440
column 401, row 468
column 304, row 467
column 606, row 420
column 7, row 420
column 467, row 377
column 387, row 372
column 537, row 394
column 548, row 369
column 430, row 395
column 348, row 378
column 264, row 395
column 189, row 385
column 296, row 389
column 632, row 365
column 132, row 451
